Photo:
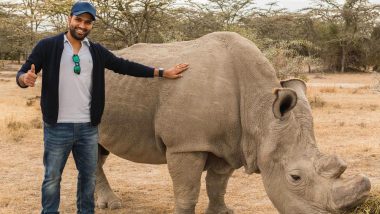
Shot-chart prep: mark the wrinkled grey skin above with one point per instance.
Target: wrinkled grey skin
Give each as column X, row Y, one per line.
column 228, row 111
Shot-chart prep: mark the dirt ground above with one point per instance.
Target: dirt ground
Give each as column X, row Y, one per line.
column 346, row 111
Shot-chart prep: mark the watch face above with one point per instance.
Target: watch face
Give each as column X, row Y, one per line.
column 160, row 72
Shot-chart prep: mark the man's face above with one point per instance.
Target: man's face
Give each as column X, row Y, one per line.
column 80, row 26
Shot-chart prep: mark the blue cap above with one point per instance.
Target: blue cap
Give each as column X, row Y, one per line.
column 83, row 7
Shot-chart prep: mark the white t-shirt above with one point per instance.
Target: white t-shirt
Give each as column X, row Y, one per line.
column 75, row 89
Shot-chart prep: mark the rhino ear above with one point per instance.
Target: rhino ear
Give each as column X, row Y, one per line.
column 286, row 100
column 298, row 85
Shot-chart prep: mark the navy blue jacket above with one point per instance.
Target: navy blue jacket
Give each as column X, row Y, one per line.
column 46, row 55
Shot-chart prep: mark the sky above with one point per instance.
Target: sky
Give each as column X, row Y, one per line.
column 294, row 5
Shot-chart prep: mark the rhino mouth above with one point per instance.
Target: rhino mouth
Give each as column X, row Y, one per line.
column 350, row 193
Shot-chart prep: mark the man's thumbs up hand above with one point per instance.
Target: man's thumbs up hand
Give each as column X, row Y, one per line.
column 30, row 77
column 33, row 69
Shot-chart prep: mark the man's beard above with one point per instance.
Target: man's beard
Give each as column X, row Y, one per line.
column 76, row 36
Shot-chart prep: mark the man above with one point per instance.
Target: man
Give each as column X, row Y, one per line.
column 72, row 101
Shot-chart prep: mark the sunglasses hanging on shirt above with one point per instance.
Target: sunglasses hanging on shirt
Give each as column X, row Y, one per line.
column 76, row 60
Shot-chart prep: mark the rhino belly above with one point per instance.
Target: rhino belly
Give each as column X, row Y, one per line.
column 132, row 142
column 127, row 128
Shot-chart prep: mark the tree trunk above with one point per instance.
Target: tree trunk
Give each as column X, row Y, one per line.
column 343, row 60
column 19, row 57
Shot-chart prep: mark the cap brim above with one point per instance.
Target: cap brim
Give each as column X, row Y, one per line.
column 81, row 12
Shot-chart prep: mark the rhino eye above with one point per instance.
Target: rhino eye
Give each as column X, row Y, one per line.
column 295, row 177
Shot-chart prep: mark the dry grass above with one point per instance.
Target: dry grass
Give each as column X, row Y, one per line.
column 355, row 91
column 319, row 76
column 362, row 125
column 347, row 126
column 328, row 90
column 32, row 100
column 316, row 101
column 14, row 130
column 373, row 107
column 36, row 123
column 369, row 107
column 4, row 80
column 371, row 206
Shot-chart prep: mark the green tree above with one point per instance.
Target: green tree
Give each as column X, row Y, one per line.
column 344, row 29
column 132, row 21
column 373, row 48
column 15, row 34
column 56, row 13
column 226, row 12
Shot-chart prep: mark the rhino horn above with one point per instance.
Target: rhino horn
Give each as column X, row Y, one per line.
column 286, row 100
column 330, row 166
column 349, row 193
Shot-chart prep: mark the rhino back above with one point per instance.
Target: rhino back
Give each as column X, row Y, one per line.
column 199, row 112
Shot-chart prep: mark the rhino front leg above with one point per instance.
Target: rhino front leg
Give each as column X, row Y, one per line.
column 186, row 170
column 218, row 174
column 106, row 197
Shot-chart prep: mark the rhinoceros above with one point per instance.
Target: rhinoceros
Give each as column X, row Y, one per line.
column 228, row 111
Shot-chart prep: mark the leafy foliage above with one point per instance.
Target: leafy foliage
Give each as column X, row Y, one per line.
column 329, row 34
column 288, row 60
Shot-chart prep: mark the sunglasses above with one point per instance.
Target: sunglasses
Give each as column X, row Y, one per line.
column 76, row 60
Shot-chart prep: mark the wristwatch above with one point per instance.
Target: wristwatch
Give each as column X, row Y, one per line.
column 161, row 72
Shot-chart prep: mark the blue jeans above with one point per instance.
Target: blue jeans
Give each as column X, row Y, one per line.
column 59, row 140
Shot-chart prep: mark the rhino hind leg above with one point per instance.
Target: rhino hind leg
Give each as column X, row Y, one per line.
column 105, row 196
column 218, row 174
column 186, row 170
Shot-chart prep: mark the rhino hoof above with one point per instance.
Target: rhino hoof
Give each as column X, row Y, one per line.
column 220, row 211
column 102, row 205
column 113, row 205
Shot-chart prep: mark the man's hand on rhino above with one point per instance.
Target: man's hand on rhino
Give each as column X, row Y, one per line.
column 176, row 71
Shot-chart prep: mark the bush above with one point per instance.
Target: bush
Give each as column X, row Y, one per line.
column 287, row 61
column 15, row 130
column 328, row 90
column 316, row 101
column 36, row 123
